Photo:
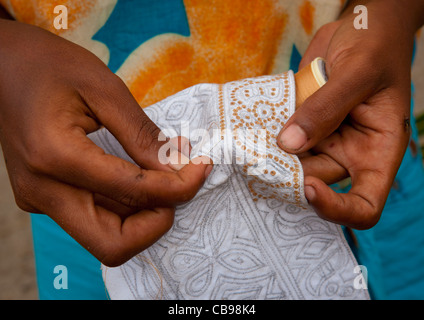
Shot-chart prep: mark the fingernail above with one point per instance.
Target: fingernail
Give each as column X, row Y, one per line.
column 310, row 193
column 293, row 137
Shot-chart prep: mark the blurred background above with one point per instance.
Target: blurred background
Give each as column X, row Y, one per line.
column 17, row 271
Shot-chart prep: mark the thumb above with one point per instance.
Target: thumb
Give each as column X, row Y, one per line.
column 322, row 112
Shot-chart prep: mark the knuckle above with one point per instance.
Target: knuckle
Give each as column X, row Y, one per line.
column 148, row 134
column 337, row 55
column 129, row 199
column 109, row 82
column 113, row 255
column 22, row 193
column 23, row 204
column 100, row 87
column 35, row 159
column 38, row 164
column 371, row 216
column 99, row 77
column 134, row 196
column 43, row 157
column 368, row 223
column 109, row 250
column 168, row 192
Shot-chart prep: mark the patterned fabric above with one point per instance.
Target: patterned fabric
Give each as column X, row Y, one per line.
column 249, row 232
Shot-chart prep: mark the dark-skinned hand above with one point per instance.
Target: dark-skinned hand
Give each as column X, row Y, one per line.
column 357, row 124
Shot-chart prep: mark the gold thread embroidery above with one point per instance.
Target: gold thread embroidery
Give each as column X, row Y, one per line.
column 262, row 104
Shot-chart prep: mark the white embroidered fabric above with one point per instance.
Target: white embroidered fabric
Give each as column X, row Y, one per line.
column 249, row 233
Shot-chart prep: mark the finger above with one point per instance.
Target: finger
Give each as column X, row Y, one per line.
column 325, row 161
column 324, row 168
column 360, row 208
column 104, row 234
column 116, row 178
column 113, row 105
column 325, row 110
